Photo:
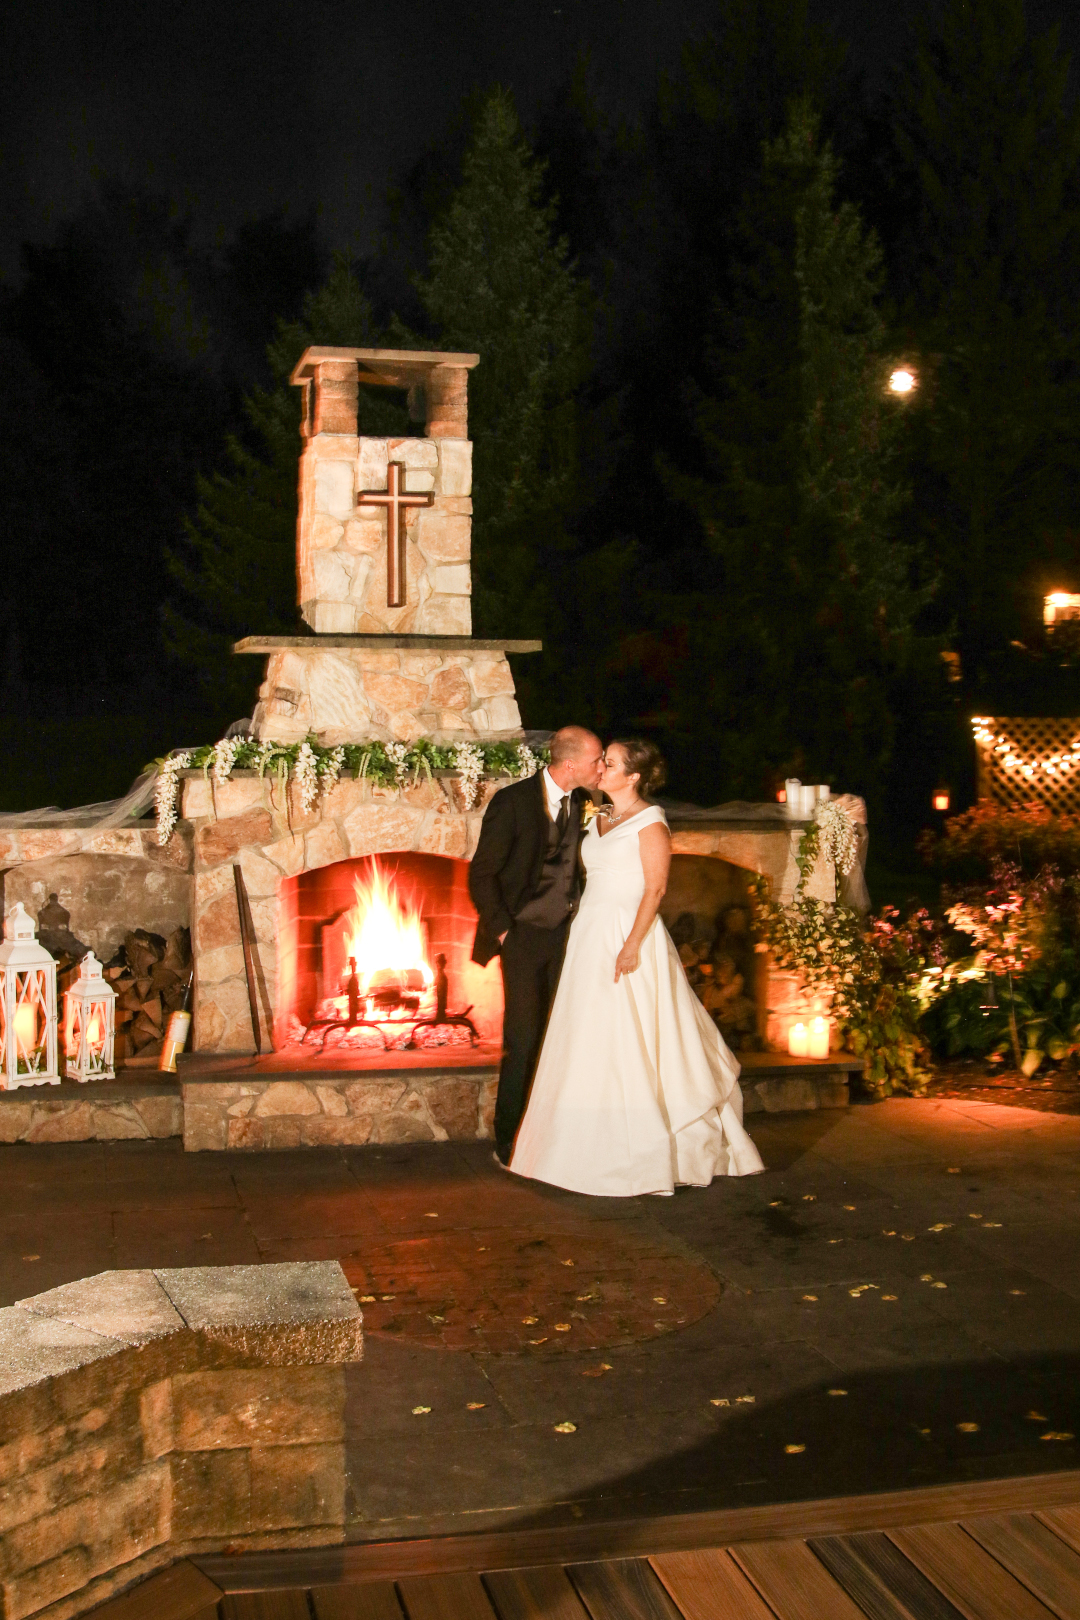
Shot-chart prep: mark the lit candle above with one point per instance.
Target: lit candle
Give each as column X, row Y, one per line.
column 818, row 1040
column 26, row 1027
column 798, row 1040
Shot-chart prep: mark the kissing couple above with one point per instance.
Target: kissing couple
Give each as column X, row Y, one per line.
column 614, row 1079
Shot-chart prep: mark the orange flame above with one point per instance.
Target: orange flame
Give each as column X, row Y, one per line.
column 382, row 933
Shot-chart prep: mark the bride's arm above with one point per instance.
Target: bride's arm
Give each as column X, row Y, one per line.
column 654, row 842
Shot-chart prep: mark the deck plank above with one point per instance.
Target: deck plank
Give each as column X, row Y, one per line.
column 709, row 1586
column 794, row 1584
column 374, row 1600
column 287, row 1603
column 624, row 1589
column 445, row 1597
column 880, row 1580
column 181, row 1592
column 973, row 1582
column 1064, row 1522
column 1038, row 1558
column 544, row 1593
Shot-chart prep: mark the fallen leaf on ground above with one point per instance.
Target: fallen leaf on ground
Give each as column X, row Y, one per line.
column 776, row 1203
column 1037, row 1417
column 884, row 1233
column 907, row 1237
column 31, row 1257
column 745, row 1400
column 991, row 1223
column 939, row 1226
column 972, row 1217
column 836, row 1392
column 890, row 1296
column 563, row 1327
column 954, row 1170
column 849, row 1206
column 596, row 1372
column 566, row 1428
column 924, row 1431
column 567, row 1262
column 539, row 1341
column 1017, row 1290
column 1057, row 1434
column 968, row 1428
column 926, row 1276
column 809, row 1198
column 939, row 1285
column 483, row 1249
column 419, row 1410
column 794, row 1450
column 811, row 1298
column 475, row 1406
column 713, row 1402
column 529, row 1321
column 367, row 1299
column 658, row 1299
column 436, row 1318
column 386, row 1298
column 431, row 1215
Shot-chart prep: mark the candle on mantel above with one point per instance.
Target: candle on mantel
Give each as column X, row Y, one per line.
column 818, row 1040
column 798, row 1040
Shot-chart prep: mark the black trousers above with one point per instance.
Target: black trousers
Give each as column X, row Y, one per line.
column 531, row 959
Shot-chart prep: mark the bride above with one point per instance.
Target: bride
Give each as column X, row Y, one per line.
column 635, row 1090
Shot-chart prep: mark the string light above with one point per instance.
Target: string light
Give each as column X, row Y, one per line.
column 1060, row 765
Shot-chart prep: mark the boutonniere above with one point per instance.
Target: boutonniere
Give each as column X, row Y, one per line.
column 589, row 812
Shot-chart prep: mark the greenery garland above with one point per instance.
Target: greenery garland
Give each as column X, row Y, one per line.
column 315, row 768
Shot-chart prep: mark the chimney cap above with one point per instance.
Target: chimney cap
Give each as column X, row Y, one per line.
column 393, row 368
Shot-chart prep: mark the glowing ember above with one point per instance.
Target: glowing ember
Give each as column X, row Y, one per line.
column 383, row 937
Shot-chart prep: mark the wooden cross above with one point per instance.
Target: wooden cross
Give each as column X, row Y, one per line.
column 396, row 501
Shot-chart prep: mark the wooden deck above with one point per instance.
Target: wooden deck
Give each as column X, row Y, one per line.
column 1002, row 1550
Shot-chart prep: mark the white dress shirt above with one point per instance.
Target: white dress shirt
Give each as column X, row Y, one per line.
column 554, row 795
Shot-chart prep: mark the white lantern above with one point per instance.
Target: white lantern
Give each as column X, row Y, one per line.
column 27, row 1005
column 89, row 1024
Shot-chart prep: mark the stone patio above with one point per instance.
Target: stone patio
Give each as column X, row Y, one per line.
column 917, row 1256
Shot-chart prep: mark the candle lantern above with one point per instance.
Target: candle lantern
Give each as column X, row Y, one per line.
column 27, row 1005
column 942, row 799
column 89, row 1024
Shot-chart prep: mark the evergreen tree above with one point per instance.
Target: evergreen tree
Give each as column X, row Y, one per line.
column 991, row 144
column 500, row 283
column 237, row 572
column 800, row 592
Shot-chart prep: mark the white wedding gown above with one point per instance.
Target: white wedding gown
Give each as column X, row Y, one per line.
column 635, row 1090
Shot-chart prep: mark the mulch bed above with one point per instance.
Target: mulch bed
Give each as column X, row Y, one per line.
column 1054, row 1089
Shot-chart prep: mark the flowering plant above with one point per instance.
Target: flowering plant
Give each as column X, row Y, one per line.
column 315, row 768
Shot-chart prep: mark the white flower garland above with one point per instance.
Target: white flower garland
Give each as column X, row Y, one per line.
column 225, row 753
column 469, row 761
column 839, row 840
column 528, row 764
column 306, row 776
column 167, row 793
column 330, row 767
column 395, row 753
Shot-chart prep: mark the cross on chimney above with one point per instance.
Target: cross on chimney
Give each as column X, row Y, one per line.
column 396, row 502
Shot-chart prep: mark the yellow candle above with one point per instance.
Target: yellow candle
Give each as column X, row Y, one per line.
column 26, row 1027
column 818, row 1041
column 797, row 1040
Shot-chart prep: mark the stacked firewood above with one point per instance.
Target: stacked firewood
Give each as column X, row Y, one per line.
column 149, row 974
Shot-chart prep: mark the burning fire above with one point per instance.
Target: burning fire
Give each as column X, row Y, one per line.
column 383, row 935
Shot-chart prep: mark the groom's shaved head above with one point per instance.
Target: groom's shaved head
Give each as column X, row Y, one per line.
column 569, row 742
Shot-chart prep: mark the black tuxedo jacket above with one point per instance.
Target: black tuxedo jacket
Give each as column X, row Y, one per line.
column 505, row 871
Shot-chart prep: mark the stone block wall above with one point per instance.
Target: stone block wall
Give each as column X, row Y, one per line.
column 349, row 1109
column 341, row 544
column 368, row 694
column 147, row 1415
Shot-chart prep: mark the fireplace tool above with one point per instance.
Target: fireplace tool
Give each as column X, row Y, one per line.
column 391, row 995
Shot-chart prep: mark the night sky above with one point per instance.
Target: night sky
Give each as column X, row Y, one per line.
column 237, row 109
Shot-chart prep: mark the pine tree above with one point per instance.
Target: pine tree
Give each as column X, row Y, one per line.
column 991, row 144
column 237, row 574
column 796, row 548
column 500, row 283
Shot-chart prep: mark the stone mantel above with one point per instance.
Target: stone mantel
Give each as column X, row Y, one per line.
column 440, row 644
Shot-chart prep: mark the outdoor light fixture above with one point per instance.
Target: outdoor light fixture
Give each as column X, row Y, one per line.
column 941, row 799
column 903, row 381
column 1059, row 606
column 89, row 1024
column 27, row 1005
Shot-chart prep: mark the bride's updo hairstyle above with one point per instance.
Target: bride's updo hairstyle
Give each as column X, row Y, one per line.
column 646, row 759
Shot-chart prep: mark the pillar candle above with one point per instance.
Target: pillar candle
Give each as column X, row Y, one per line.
column 818, row 1038
column 797, row 1040
column 26, row 1027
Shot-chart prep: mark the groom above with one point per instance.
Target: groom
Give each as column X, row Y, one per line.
column 525, row 882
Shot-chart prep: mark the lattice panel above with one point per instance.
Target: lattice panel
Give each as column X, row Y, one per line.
column 1029, row 760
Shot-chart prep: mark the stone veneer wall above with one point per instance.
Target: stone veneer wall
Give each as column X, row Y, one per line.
column 346, row 694
column 260, row 825
column 342, row 545
column 146, row 1415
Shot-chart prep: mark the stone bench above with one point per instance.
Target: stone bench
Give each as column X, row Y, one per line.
column 146, row 1415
